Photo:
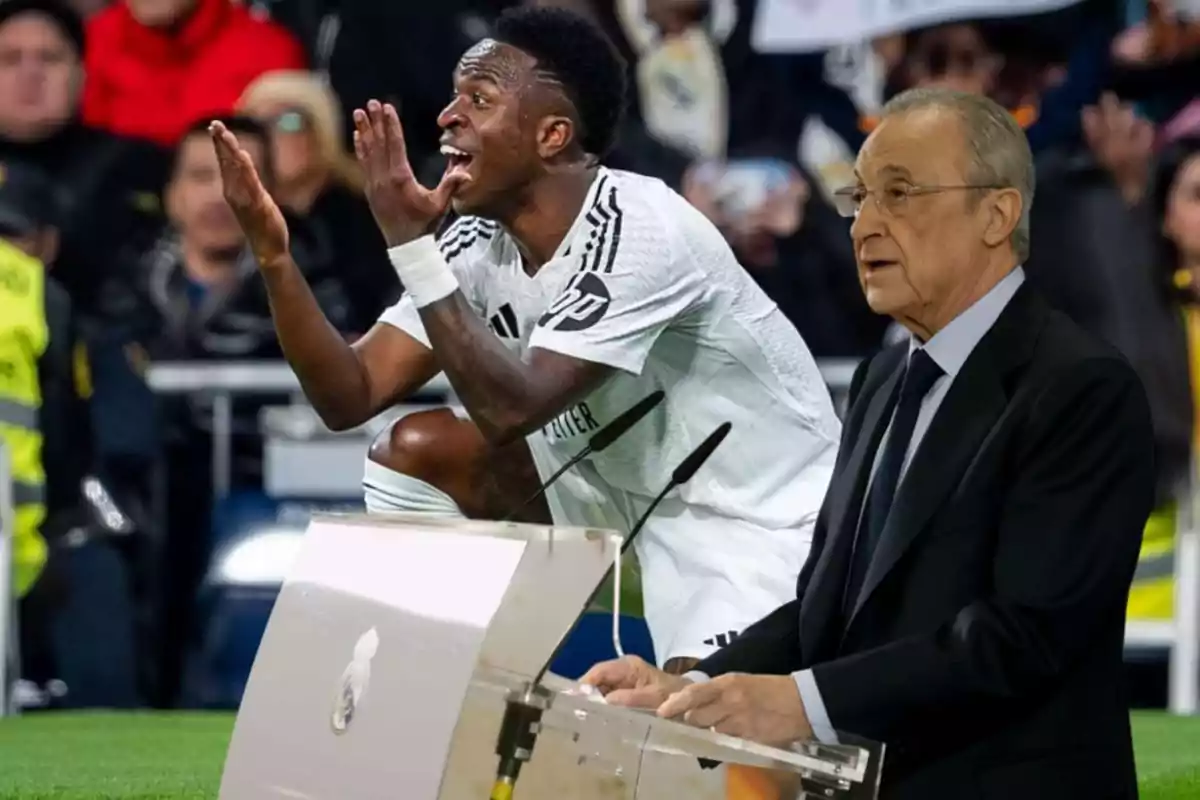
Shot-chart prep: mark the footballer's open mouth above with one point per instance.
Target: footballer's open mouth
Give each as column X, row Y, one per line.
column 457, row 160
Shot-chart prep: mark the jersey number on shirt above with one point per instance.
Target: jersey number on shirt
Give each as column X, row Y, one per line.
column 581, row 305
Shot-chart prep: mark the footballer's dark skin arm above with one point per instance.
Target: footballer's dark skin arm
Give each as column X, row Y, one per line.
column 508, row 398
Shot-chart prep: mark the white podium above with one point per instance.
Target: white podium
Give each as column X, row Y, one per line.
column 397, row 644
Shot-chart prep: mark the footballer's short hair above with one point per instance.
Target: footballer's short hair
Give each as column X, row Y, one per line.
column 580, row 57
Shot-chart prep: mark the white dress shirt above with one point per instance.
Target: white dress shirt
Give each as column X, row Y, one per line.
column 949, row 348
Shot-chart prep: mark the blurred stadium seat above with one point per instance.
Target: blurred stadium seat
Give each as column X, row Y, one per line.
column 93, row 630
column 254, row 538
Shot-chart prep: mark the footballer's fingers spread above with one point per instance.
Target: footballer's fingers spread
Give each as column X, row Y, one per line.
column 367, row 144
column 393, row 133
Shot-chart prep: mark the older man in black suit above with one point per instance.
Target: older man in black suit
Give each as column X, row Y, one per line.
column 964, row 600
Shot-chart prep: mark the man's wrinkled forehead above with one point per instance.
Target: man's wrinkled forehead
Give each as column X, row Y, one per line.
column 915, row 146
column 502, row 64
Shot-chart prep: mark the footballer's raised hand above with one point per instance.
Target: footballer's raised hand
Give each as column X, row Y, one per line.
column 403, row 209
column 259, row 215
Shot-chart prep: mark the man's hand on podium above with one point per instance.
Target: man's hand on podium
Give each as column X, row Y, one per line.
column 633, row 683
column 761, row 708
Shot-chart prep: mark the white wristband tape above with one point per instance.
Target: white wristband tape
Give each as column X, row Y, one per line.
column 423, row 271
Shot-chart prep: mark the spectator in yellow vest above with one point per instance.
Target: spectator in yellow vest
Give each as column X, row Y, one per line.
column 40, row 414
column 1174, row 202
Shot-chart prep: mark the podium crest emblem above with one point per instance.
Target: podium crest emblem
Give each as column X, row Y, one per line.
column 352, row 686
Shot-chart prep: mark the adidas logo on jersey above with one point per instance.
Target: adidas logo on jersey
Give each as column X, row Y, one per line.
column 504, row 323
column 722, row 639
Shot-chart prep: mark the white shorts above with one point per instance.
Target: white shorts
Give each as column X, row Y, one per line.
column 705, row 578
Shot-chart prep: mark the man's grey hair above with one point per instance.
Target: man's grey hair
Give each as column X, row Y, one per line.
column 997, row 147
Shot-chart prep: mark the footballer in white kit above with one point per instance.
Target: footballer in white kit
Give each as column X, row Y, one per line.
column 563, row 295
column 644, row 283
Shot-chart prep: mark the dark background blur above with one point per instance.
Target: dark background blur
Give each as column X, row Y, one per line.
column 108, row 101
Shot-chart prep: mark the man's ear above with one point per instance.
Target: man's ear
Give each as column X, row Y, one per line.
column 1004, row 214
column 555, row 135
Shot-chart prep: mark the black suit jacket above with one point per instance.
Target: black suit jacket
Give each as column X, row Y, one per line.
column 985, row 648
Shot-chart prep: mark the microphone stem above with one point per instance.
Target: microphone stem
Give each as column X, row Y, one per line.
column 502, row 789
column 637, row 528
column 546, row 484
column 602, row 439
column 519, row 730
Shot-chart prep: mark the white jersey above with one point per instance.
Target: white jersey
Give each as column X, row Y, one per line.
column 644, row 283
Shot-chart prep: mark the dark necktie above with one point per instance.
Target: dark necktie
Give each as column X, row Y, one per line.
column 919, row 377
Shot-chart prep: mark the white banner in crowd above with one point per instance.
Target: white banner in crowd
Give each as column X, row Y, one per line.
column 798, row 26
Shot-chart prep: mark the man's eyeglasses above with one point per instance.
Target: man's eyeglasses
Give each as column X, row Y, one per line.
column 290, row 122
column 892, row 199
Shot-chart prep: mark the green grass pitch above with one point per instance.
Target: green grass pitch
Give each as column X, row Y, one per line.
column 179, row 756
column 145, row 756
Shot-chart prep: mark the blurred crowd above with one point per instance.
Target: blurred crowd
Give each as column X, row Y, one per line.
column 109, row 180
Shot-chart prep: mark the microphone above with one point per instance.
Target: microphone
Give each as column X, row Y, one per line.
column 689, row 466
column 680, row 475
column 599, row 441
column 524, row 707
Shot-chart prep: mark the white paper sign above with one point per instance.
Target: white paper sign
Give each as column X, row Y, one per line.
column 798, row 26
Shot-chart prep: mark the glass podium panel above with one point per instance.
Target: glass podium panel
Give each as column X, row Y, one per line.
column 588, row 750
column 400, row 648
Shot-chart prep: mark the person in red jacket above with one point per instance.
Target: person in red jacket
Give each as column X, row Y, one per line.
column 155, row 66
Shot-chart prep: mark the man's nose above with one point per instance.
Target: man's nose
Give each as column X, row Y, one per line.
column 29, row 67
column 451, row 116
column 867, row 222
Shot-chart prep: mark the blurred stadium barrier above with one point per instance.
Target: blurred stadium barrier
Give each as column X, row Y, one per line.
column 255, row 533
column 1179, row 637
